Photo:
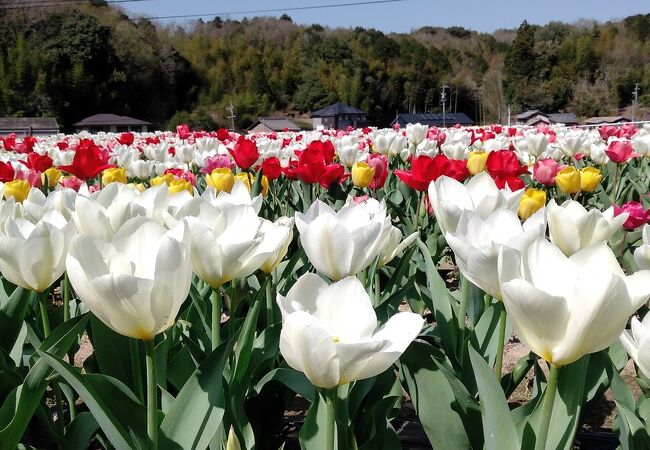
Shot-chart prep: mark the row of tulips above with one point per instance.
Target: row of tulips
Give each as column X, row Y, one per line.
column 217, row 276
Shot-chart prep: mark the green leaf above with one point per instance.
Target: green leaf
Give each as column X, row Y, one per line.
column 12, row 313
column 498, row 427
column 484, row 338
column 441, row 303
column 96, row 403
column 294, row 380
column 80, row 432
column 312, row 432
column 247, row 336
column 19, row 407
column 432, row 397
column 198, row 410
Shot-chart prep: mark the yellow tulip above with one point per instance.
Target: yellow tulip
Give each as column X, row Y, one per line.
column 531, row 202
column 221, row 179
column 53, row 174
column 140, row 187
column 249, row 179
column 476, row 161
column 362, row 174
column 114, row 175
column 179, row 185
column 166, row 178
column 18, row 189
column 589, row 179
column 568, row 180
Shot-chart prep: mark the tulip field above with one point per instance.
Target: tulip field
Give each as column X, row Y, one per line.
column 186, row 290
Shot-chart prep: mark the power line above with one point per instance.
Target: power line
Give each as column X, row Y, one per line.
column 43, row 4
column 263, row 11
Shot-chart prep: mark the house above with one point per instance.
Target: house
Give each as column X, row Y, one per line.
column 270, row 124
column 338, row 116
column 430, row 119
column 111, row 123
column 609, row 120
column 28, row 126
column 534, row 117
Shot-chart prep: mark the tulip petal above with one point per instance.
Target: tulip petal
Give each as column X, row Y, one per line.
column 540, row 319
column 307, row 347
column 302, row 295
column 345, row 310
column 328, row 245
column 638, row 288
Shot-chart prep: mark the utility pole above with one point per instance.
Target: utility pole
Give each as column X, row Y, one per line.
column 636, row 98
column 231, row 109
column 443, row 100
column 508, row 115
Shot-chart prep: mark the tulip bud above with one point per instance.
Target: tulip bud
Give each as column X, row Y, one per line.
column 114, row 175
column 568, row 180
column 362, row 174
column 18, row 189
column 476, row 162
column 180, row 185
column 589, row 179
column 249, row 179
column 531, row 202
column 222, row 179
column 233, row 441
column 166, row 178
column 53, row 174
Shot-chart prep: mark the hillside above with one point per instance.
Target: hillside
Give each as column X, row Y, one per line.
column 75, row 61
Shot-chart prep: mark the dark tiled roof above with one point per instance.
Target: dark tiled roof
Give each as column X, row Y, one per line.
column 450, row 119
column 277, row 123
column 563, row 118
column 607, row 119
column 528, row 114
column 99, row 120
column 25, row 123
column 336, row 110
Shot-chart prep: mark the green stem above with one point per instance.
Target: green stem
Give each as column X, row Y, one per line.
column 462, row 308
column 487, row 301
column 623, row 241
column 152, row 394
column 330, row 438
column 549, row 398
column 502, row 335
column 269, row 300
column 59, row 407
column 42, row 301
column 217, row 303
column 417, row 211
column 377, row 295
column 66, row 297
column 612, row 193
column 134, row 352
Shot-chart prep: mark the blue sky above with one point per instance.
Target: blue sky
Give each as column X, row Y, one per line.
column 405, row 15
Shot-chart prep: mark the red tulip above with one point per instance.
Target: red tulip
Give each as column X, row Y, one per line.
column 505, row 169
column 40, row 163
column 89, row 160
column 223, row 134
column 637, row 214
column 271, row 168
column 332, row 173
column 126, row 138
column 424, row 170
column 245, row 153
column 6, row 172
column 183, row 131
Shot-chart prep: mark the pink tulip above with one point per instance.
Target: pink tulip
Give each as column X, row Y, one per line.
column 620, row 151
column 545, row 170
column 637, row 214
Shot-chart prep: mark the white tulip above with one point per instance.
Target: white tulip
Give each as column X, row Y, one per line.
column 136, row 282
column 382, row 143
column 450, row 198
column 330, row 333
column 536, row 143
column 637, row 343
column 566, row 307
column 476, row 242
column 572, row 227
column 343, row 243
column 416, row 133
column 282, row 232
column 642, row 253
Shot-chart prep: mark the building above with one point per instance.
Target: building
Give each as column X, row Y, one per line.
column 430, row 119
column 111, row 123
column 534, row 117
column 270, row 124
column 28, row 126
column 338, row 116
column 610, row 120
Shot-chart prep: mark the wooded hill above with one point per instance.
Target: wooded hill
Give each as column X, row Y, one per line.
column 75, row 61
